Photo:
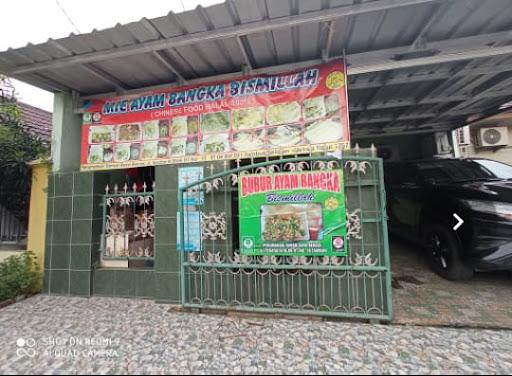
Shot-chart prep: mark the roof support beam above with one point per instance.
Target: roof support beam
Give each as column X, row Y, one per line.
column 428, row 76
column 358, row 135
column 385, row 119
column 108, row 78
column 324, row 15
column 446, row 57
column 420, row 38
column 165, row 62
column 328, row 40
column 244, row 53
column 46, row 83
column 409, row 103
column 492, row 92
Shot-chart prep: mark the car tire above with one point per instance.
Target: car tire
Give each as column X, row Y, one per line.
column 443, row 253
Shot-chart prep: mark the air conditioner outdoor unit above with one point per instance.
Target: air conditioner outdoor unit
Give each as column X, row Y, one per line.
column 496, row 136
column 463, row 136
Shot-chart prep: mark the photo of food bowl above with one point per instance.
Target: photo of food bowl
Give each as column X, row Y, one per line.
column 122, row 153
column 179, row 126
column 151, row 131
column 134, row 152
column 322, row 131
column 283, row 113
column 163, row 149
column 129, row 132
column 178, row 147
column 249, row 118
column 314, row 108
column 150, row 150
column 108, row 153
column 291, row 222
column 163, row 128
column 287, row 135
column 95, row 154
column 101, row 133
column 215, row 144
column 214, row 122
column 249, row 140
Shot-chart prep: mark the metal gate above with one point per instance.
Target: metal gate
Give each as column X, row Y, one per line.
column 218, row 277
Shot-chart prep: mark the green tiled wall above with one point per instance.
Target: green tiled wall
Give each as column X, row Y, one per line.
column 74, row 226
column 124, row 283
column 167, row 265
column 72, row 232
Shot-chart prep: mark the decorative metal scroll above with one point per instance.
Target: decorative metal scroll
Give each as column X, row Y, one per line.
column 213, row 226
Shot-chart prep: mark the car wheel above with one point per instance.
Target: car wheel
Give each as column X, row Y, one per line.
column 444, row 254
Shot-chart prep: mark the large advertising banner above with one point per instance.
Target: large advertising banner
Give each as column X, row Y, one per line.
column 289, row 113
column 293, row 214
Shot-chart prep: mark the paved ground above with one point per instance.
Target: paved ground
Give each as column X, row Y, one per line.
column 104, row 335
column 423, row 298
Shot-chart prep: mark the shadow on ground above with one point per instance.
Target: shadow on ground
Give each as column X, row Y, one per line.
column 423, row 298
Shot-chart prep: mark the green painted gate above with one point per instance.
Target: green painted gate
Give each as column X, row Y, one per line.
column 218, row 277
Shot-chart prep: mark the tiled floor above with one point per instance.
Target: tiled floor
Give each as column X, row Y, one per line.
column 423, row 298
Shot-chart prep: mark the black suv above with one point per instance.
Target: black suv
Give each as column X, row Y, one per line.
column 423, row 196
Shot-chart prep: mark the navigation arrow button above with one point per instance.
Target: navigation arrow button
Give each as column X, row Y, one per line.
column 459, row 223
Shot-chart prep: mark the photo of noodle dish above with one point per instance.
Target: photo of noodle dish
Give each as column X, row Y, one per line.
column 151, row 131
column 314, row 108
column 215, row 144
column 95, row 154
column 179, row 126
column 178, row 147
column 149, row 150
column 287, row 135
column 122, row 153
column 283, row 113
column 129, row 132
column 163, row 149
column 322, row 131
column 213, row 122
column 108, row 153
column 249, row 140
column 332, row 104
column 249, row 118
column 101, row 133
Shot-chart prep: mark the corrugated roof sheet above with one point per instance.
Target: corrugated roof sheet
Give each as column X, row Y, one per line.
column 469, row 68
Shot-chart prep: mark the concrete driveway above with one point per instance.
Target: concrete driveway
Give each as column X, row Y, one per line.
column 423, row 298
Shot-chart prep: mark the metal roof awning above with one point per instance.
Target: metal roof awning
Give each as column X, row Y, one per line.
column 414, row 65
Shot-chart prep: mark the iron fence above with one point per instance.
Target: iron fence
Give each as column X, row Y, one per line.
column 12, row 231
column 128, row 224
column 219, row 277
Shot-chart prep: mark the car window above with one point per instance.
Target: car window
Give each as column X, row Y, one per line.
column 498, row 169
column 453, row 170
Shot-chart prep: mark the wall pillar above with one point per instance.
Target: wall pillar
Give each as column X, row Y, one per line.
column 66, row 134
column 38, row 209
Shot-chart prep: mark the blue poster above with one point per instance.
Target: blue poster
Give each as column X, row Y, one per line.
column 186, row 176
column 192, row 224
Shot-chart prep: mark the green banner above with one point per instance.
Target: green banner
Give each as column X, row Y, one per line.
column 293, row 214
